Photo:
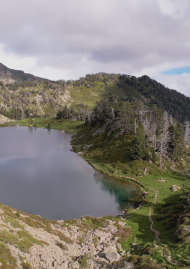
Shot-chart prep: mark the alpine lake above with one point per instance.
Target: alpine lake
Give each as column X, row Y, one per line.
column 39, row 174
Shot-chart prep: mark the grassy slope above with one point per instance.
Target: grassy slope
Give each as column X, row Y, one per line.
column 89, row 96
column 111, row 158
column 37, row 99
column 68, row 126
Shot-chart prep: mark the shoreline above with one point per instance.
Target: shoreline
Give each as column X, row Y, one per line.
column 142, row 221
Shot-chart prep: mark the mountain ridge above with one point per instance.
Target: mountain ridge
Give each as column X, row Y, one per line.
column 9, row 75
column 34, row 96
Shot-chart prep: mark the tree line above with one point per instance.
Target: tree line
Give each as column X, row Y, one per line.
column 153, row 132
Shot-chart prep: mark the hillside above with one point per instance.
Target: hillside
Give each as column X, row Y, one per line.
column 8, row 75
column 131, row 137
column 130, row 141
column 23, row 95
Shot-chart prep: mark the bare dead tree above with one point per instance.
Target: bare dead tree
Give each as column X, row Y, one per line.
column 113, row 113
column 166, row 124
column 187, row 133
column 136, row 126
column 154, row 138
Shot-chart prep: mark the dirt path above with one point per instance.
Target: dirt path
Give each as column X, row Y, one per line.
column 152, row 222
column 150, row 209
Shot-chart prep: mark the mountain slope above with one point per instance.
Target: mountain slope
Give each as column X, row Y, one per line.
column 175, row 103
column 23, row 95
column 8, row 75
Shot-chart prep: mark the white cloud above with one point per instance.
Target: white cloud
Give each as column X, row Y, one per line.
column 176, row 82
column 13, row 60
column 68, row 39
column 29, row 65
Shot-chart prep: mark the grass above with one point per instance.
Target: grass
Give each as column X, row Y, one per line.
column 68, row 126
column 138, row 220
column 62, row 237
column 22, row 240
column 83, row 262
column 14, row 223
column 7, row 260
column 26, row 265
column 109, row 156
column 63, row 247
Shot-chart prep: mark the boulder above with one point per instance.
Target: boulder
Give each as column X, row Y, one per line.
column 112, row 256
column 126, row 265
column 63, row 266
column 111, row 228
column 75, row 265
column 121, row 223
column 175, row 188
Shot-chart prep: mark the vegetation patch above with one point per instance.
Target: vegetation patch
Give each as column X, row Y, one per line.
column 14, row 223
column 7, row 260
column 62, row 237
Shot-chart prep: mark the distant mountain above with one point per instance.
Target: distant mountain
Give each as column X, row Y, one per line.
column 8, row 75
column 154, row 93
column 23, row 95
column 130, row 88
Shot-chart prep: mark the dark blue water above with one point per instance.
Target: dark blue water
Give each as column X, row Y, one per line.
column 40, row 175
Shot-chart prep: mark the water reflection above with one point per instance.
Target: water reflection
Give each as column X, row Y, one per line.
column 119, row 189
column 40, row 175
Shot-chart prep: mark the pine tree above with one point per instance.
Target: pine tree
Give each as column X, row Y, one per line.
column 178, row 141
column 171, row 142
column 137, row 144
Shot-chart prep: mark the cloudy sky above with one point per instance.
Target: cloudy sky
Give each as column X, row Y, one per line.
column 67, row 39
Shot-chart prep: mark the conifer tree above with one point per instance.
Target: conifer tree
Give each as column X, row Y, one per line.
column 178, row 141
column 137, row 144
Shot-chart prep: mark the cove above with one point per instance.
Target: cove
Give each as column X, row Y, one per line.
column 40, row 175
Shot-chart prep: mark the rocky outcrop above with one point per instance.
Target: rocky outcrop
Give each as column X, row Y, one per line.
column 84, row 243
column 175, row 188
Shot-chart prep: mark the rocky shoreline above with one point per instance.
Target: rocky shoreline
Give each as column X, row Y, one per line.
column 84, row 243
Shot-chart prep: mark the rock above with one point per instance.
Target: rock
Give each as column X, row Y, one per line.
column 91, row 248
column 44, row 257
column 112, row 256
column 100, row 245
column 98, row 248
column 108, row 222
column 185, row 230
column 175, row 188
column 75, row 265
column 90, row 264
column 122, row 223
column 63, row 266
column 54, row 263
column 126, row 265
column 111, row 228
column 160, row 180
column 101, row 235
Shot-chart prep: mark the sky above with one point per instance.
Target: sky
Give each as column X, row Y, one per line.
column 67, row 39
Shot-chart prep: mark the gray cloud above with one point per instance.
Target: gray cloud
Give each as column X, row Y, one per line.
column 79, row 37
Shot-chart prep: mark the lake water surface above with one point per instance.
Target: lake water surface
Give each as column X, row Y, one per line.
column 40, row 175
